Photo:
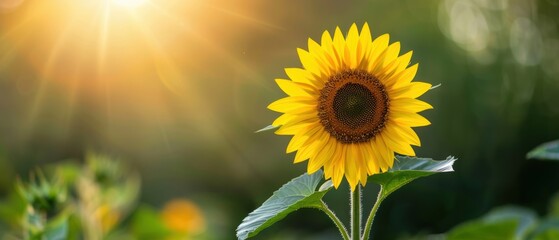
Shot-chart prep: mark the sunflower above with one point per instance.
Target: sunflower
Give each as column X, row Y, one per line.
column 351, row 106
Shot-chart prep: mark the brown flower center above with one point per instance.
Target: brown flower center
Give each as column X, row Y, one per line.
column 353, row 106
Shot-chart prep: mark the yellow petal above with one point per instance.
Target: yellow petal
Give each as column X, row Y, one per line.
column 364, row 46
column 327, row 46
column 408, row 119
column 390, row 158
column 302, row 76
column 329, row 163
column 365, row 37
column 404, row 61
column 292, row 129
column 378, row 46
column 393, row 68
column 386, row 74
column 393, row 134
column 338, row 47
column 316, row 137
column 327, row 170
column 289, row 119
column 282, row 119
column 405, row 77
column 351, row 46
column 371, row 159
column 364, row 176
column 351, row 168
column 302, row 119
column 323, row 155
column 320, row 57
column 311, row 145
column 391, row 53
column 406, row 132
column 292, row 88
column 361, row 163
column 397, row 143
column 412, row 90
column 302, row 154
column 309, row 62
column 386, row 57
column 326, row 40
column 338, row 166
column 293, row 104
column 296, row 142
column 383, row 152
column 388, row 154
column 409, row 105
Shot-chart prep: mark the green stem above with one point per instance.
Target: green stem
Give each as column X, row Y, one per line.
column 335, row 219
column 356, row 213
column 371, row 217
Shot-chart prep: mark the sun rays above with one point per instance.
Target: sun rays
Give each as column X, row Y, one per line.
column 130, row 3
column 123, row 59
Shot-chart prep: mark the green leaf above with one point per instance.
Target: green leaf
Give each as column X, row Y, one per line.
column 12, row 209
column 298, row 193
column 507, row 222
column 554, row 206
column 526, row 219
column 58, row 227
column 404, row 170
column 147, row 224
column 436, row 86
column 484, row 230
column 407, row 169
column 67, row 172
column 548, row 234
column 57, row 230
column 267, row 128
column 546, row 151
column 547, row 230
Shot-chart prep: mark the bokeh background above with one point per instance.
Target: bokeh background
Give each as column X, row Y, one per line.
column 176, row 89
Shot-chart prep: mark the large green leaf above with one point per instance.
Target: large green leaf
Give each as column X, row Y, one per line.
column 484, row 230
column 509, row 222
column 407, row 169
column 526, row 219
column 547, row 151
column 301, row 192
column 404, row 170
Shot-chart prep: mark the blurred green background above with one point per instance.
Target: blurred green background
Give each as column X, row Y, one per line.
column 176, row 89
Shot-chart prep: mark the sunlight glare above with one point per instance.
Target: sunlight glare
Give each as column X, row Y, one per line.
column 130, row 3
column 9, row 4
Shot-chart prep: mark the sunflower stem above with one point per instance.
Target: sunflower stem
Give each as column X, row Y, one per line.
column 369, row 223
column 355, row 197
column 335, row 219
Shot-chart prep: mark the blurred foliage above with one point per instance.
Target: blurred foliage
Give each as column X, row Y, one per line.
column 549, row 151
column 93, row 201
column 509, row 222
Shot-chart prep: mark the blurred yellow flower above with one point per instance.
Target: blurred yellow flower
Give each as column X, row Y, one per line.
column 183, row 216
column 107, row 217
column 351, row 106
